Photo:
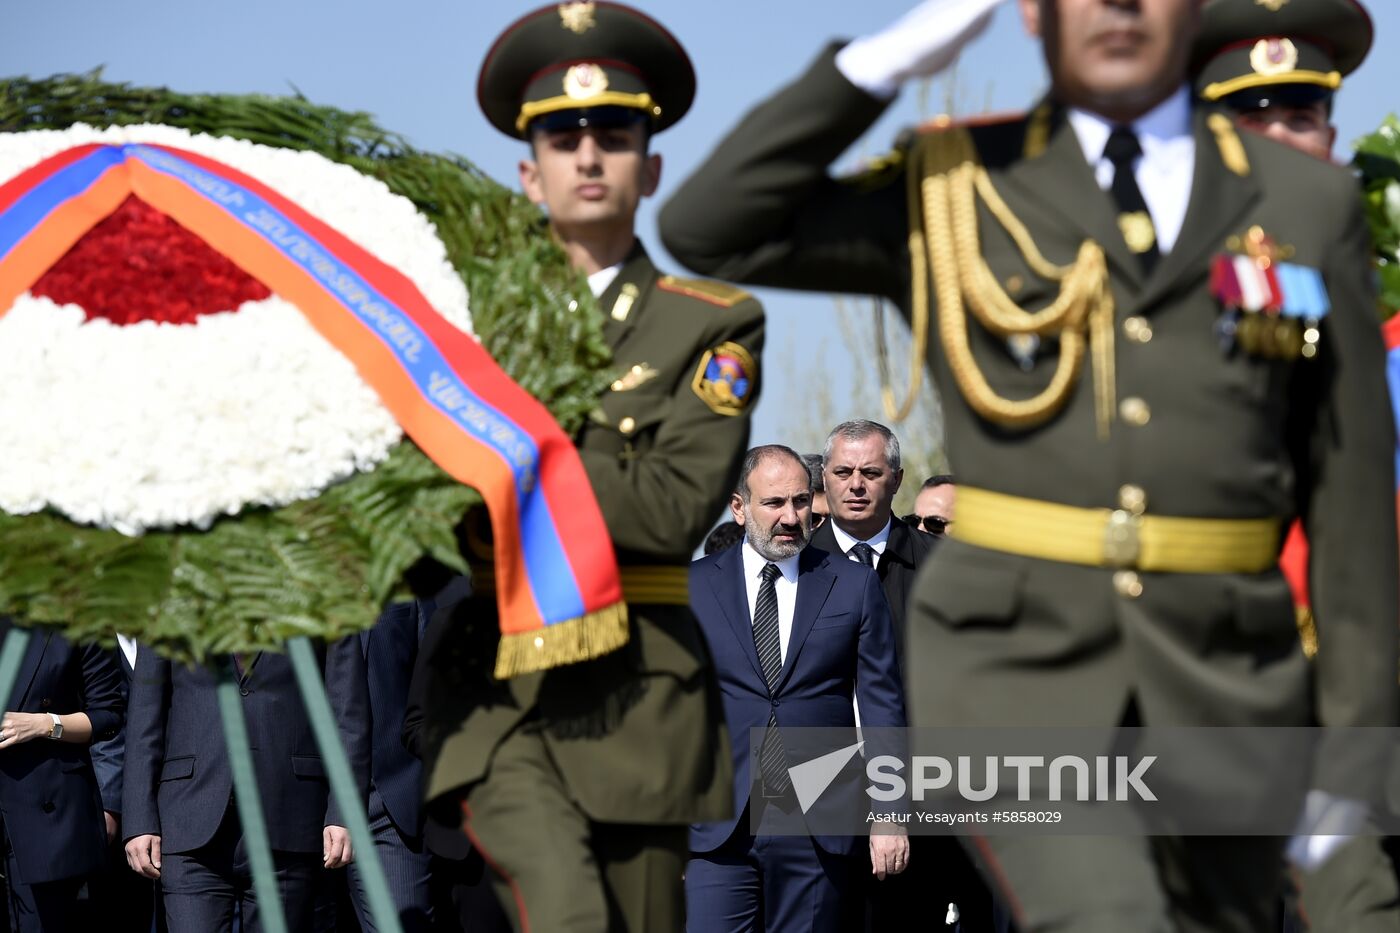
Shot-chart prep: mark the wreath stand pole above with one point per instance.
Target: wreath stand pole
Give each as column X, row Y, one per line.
column 347, row 795
column 245, row 794
column 16, row 640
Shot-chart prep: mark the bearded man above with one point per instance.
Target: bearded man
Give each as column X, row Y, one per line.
column 797, row 634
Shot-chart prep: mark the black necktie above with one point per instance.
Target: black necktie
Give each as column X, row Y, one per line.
column 772, row 763
column 1134, row 219
column 864, row 553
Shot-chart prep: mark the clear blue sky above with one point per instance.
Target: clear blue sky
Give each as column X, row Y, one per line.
column 413, row 63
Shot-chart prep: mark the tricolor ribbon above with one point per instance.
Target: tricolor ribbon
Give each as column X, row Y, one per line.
column 557, row 582
column 1276, row 287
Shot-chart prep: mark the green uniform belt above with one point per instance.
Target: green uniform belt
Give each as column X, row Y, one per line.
column 1114, row 537
column 653, row 584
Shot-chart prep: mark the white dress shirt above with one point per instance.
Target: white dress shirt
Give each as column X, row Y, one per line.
column 876, row 541
column 599, row 281
column 1165, row 168
column 128, row 646
column 784, row 587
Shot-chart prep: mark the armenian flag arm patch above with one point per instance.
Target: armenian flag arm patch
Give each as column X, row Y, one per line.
column 725, row 378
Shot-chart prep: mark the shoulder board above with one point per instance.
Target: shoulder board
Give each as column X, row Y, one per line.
column 715, row 293
column 1228, row 141
column 945, row 122
column 878, row 171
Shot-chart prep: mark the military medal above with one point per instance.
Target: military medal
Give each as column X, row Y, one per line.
column 1272, row 309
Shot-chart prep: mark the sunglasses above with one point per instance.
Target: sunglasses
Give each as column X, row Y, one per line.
column 930, row 523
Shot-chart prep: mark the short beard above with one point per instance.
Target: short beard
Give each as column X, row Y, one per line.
column 761, row 539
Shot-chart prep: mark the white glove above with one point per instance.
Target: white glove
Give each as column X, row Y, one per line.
column 919, row 44
column 1326, row 823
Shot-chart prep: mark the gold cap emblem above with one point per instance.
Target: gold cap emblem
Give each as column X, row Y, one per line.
column 1274, row 56
column 578, row 17
column 1273, row 6
column 585, row 81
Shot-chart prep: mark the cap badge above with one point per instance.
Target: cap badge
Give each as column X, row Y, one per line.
column 578, row 17
column 1273, row 6
column 1274, row 56
column 584, row 82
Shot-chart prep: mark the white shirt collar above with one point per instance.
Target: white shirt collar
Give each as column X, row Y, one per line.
column 754, row 563
column 846, row 541
column 1164, row 173
column 599, row 281
column 1168, row 121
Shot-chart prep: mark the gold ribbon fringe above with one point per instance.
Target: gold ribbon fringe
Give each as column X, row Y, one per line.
column 582, row 639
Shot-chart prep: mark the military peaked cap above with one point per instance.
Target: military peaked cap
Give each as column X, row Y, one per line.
column 581, row 62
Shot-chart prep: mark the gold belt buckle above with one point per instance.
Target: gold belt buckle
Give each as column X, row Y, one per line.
column 1121, row 543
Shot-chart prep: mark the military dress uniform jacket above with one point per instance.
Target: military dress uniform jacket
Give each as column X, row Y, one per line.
column 1202, row 432
column 637, row 734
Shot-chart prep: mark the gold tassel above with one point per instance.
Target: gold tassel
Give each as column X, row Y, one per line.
column 582, row 639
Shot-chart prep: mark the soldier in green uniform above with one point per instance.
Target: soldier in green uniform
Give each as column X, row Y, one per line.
column 578, row 784
column 1277, row 69
column 1155, row 343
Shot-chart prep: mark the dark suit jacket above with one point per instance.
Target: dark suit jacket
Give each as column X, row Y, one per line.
column 389, row 651
column 48, row 791
column 904, row 555
column 178, row 781
column 109, row 755
column 841, row 647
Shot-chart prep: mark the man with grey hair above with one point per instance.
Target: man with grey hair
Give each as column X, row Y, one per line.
column 797, row 635
column 863, row 472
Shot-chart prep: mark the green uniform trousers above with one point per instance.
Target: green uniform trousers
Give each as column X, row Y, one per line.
column 535, row 838
column 1162, row 884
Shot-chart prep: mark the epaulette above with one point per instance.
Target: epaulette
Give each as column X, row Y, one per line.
column 945, row 122
column 880, row 171
column 715, row 293
column 1231, row 149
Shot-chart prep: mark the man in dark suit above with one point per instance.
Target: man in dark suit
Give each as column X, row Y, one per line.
column 1139, row 430
column 861, row 465
column 388, row 652
column 797, row 636
column 861, row 462
column 119, row 900
column 52, row 827
column 181, row 823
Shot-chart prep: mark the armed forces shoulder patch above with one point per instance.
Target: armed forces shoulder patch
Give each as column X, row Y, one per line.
column 725, row 378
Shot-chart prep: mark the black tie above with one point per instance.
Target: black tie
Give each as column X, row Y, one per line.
column 772, row 763
column 864, row 553
column 1134, row 219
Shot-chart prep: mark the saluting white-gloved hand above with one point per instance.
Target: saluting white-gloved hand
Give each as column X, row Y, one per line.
column 1326, row 824
column 919, row 44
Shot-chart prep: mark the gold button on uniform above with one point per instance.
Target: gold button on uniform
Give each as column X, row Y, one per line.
column 1137, row 329
column 1127, row 584
column 1132, row 499
column 1135, row 411
column 627, row 425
